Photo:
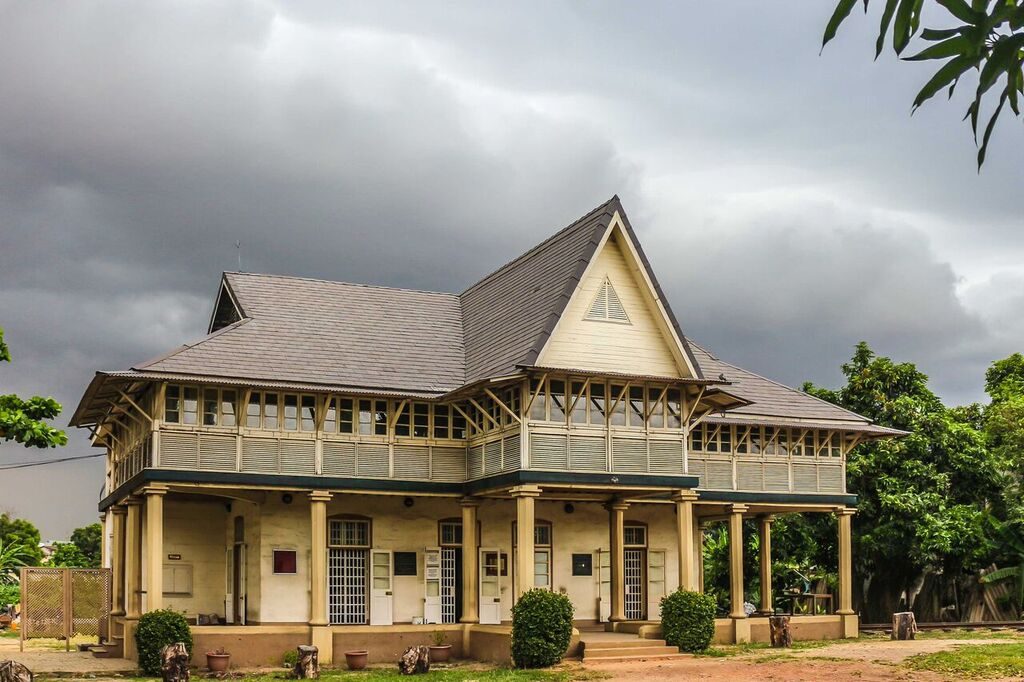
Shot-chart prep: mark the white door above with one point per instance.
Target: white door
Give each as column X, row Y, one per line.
column 655, row 582
column 432, row 585
column 229, row 588
column 490, row 587
column 381, row 598
column 604, row 577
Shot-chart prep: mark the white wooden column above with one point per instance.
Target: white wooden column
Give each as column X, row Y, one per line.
column 617, row 541
column 685, row 539
column 153, row 552
column 470, row 562
column 525, row 521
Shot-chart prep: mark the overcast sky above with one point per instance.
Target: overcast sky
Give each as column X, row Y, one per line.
column 788, row 202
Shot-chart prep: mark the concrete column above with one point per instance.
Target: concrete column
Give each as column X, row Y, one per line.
column 470, row 562
column 153, row 552
column 616, row 537
column 685, row 539
column 741, row 624
column 133, row 559
column 318, row 500
column 765, row 535
column 117, row 546
column 525, row 521
column 845, row 518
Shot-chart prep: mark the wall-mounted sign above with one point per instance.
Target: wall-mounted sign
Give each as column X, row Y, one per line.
column 174, row 557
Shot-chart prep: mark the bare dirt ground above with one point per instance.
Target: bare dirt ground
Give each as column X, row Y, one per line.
column 866, row 660
column 49, row 657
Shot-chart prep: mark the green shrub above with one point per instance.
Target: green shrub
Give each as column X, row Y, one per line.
column 290, row 658
column 541, row 628
column 156, row 630
column 688, row 620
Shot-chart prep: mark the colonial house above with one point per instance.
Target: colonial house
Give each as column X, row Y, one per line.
column 359, row 466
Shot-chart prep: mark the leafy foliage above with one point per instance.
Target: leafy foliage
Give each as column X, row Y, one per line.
column 1010, row 541
column 23, row 421
column 24, row 533
column 67, row 555
column 156, row 630
column 988, row 39
column 921, row 497
column 12, row 558
column 688, row 620
column 541, row 628
column 88, row 540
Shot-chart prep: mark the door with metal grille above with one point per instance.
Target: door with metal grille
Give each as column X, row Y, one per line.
column 448, row 585
column 346, row 586
column 634, row 581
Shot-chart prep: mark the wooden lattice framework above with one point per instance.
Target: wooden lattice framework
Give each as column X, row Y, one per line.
column 64, row 602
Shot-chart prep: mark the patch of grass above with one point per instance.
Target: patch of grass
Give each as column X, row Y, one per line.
column 969, row 634
column 974, row 660
column 454, row 674
column 7, row 634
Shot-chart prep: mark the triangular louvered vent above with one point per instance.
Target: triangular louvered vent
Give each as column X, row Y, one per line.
column 607, row 306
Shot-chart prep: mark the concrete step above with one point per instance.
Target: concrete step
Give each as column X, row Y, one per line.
column 624, row 643
column 651, row 657
column 99, row 652
column 109, row 649
column 629, row 652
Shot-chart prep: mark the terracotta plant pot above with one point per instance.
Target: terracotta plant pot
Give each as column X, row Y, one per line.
column 356, row 660
column 217, row 663
column 440, row 653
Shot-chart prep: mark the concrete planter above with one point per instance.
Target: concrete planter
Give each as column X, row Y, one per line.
column 356, row 660
column 440, row 653
column 217, row 662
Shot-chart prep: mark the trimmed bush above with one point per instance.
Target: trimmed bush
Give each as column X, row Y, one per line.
column 156, row 630
column 541, row 628
column 688, row 620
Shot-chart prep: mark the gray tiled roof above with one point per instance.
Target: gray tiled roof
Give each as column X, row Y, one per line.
column 770, row 398
column 334, row 335
column 313, row 331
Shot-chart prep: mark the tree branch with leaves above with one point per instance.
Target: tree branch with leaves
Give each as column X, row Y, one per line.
column 989, row 39
column 24, row 421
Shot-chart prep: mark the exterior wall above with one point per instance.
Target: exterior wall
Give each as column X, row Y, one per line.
column 283, row 598
column 191, row 530
column 636, row 348
column 249, row 647
column 804, row 628
column 387, row 643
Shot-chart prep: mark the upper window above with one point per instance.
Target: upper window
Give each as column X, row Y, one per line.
column 606, row 306
column 190, row 404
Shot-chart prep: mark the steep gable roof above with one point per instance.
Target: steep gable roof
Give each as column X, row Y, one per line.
column 509, row 315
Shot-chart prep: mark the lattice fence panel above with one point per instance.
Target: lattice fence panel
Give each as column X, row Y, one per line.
column 64, row 602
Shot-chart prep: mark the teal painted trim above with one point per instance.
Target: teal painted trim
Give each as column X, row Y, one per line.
column 776, row 498
column 527, row 476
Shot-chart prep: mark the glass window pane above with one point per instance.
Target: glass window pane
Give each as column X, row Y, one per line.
column 209, row 407
column 597, row 404
column 365, row 417
column 421, row 420
column 697, row 438
column 402, row 421
column 725, row 438
column 380, row 418
column 556, row 390
column 618, row 415
column 346, row 415
column 579, row 408
column 227, row 408
column 674, row 409
column 331, row 417
column 458, row 426
column 636, row 406
column 270, row 411
column 172, row 405
column 252, row 411
column 190, row 405
column 291, row 412
column 656, row 406
column 308, row 413
column 538, row 410
column 442, row 415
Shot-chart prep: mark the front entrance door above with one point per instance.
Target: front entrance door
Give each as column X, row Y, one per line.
column 636, row 599
column 346, row 586
column 490, row 587
column 655, row 582
column 451, row 583
column 604, row 576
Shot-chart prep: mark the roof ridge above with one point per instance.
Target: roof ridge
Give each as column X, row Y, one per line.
column 538, row 247
column 343, row 283
column 780, row 384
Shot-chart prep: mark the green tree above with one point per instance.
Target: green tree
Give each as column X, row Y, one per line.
column 88, row 539
column 67, row 555
column 1003, row 421
column 921, row 497
column 1010, row 543
column 12, row 558
column 21, row 532
column 987, row 36
column 23, row 421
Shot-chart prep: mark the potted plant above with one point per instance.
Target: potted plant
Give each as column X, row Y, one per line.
column 217, row 661
column 440, row 651
column 356, row 660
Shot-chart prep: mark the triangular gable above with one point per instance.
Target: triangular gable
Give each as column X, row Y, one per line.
column 642, row 338
column 226, row 310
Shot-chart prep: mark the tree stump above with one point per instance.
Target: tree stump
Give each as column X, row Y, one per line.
column 307, row 667
column 904, row 625
column 781, row 634
column 12, row 671
column 414, row 661
column 174, row 663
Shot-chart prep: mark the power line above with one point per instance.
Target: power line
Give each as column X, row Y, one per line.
column 26, row 465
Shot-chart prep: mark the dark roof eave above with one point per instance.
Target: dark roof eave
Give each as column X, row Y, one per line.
column 623, row 375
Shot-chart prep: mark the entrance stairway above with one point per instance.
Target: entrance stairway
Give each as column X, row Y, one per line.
column 614, row 647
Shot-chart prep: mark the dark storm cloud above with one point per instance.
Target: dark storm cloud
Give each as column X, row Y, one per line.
column 790, row 206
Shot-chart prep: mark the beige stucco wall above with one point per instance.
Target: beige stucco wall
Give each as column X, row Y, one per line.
column 192, row 530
